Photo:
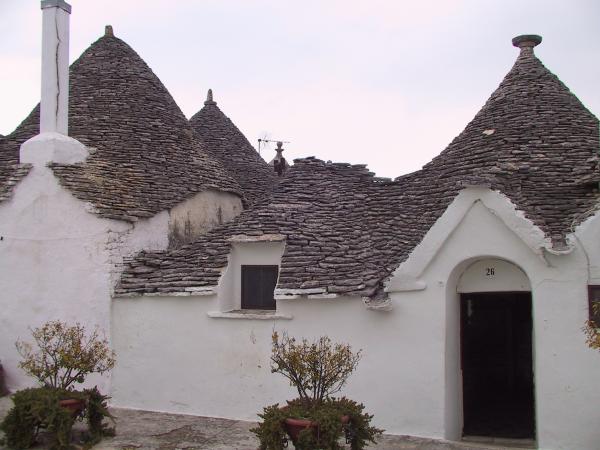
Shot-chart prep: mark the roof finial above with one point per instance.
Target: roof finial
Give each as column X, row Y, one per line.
column 526, row 41
column 108, row 31
column 209, row 98
column 279, row 163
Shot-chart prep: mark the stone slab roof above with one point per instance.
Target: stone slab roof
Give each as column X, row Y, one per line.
column 11, row 171
column 534, row 141
column 346, row 231
column 144, row 156
column 226, row 143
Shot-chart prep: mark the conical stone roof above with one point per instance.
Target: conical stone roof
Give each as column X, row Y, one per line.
column 226, row 143
column 144, row 156
column 346, row 232
column 534, row 141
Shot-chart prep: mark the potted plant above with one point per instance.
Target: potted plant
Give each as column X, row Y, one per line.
column 315, row 419
column 62, row 357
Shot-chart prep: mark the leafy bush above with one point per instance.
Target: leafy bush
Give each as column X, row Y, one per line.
column 270, row 432
column 64, row 354
column 316, row 369
column 37, row 408
column 95, row 412
column 327, row 414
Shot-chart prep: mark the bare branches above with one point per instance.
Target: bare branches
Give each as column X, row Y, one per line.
column 316, row 369
column 64, row 354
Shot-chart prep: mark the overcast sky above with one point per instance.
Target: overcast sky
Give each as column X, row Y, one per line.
column 386, row 83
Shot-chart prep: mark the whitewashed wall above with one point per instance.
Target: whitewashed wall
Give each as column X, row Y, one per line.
column 565, row 369
column 57, row 261
column 174, row 357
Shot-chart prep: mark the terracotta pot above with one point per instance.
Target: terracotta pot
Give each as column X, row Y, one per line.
column 293, row 427
column 74, row 405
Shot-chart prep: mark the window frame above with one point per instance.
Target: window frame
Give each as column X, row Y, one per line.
column 271, row 306
column 593, row 299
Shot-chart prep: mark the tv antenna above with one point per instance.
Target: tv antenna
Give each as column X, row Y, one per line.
column 264, row 143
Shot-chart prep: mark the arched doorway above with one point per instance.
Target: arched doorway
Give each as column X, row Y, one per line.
column 496, row 338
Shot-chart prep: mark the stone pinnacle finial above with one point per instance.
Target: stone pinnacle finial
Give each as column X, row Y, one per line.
column 526, row 41
column 209, row 98
column 108, row 31
column 279, row 163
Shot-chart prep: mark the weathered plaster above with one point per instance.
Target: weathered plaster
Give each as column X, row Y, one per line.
column 587, row 236
column 201, row 213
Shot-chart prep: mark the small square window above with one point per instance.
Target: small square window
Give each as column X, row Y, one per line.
column 594, row 299
column 258, row 286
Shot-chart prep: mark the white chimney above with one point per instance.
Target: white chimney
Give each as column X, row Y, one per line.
column 53, row 143
column 55, row 67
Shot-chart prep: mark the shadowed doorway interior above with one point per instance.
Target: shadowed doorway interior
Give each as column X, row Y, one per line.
column 497, row 367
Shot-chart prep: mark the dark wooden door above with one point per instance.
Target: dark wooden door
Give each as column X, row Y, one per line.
column 496, row 353
column 258, row 286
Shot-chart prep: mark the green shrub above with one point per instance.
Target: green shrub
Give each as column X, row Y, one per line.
column 95, row 413
column 270, row 431
column 328, row 413
column 37, row 408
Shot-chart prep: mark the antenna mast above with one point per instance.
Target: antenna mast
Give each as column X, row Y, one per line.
column 267, row 141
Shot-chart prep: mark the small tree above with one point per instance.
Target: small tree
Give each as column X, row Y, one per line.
column 316, row 369
column 64, row 354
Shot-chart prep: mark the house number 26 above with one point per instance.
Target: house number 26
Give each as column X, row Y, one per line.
column 490, row 271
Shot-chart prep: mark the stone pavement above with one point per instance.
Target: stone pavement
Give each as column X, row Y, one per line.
column 160, row 431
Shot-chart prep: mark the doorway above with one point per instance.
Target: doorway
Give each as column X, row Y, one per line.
column 497, row 365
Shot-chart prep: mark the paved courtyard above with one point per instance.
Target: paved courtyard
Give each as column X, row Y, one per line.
column 159, row 431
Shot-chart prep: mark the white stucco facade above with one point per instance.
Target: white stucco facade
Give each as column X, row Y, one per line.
column 175, row 356
column 59, row 259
